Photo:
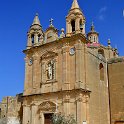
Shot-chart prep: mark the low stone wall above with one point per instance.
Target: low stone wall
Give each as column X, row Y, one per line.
column 10, row 120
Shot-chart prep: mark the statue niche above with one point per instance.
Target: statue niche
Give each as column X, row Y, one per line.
column 48, row 66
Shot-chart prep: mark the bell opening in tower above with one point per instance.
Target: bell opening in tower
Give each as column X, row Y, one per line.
column 32, row 38
column 81, row 25
column 73, row 25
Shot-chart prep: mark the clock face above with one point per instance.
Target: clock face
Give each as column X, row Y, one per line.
column 30, row 61
column 72, row 51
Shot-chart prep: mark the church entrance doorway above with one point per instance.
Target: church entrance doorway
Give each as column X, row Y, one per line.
column 119, row 122
column 48, row 118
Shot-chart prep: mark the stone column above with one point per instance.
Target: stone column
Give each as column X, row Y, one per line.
column 29, row 43
column 77, row 25
column 65, row 67
column 36, row 38
column 26, row 114
column 67, row 27
column 34, row 118
column 79, row 65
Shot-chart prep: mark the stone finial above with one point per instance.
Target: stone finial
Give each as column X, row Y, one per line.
column 92, row 27
column 109, row 43
column 51, row 22
column 116, row 50
column 36, row 20
column 62, row 33
column 75, row 4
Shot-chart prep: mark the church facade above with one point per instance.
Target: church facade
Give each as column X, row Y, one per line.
column 68, row 74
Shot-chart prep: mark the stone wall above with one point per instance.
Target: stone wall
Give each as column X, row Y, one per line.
column 11, row 110
column 12, row 120
column 116, row 88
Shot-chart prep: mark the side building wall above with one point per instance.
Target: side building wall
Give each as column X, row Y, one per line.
column 11, row 110
column 116, row 88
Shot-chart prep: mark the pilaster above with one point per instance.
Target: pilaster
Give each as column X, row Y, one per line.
column 82, row 108
column 41, row 118
column 66, row 67
column 67, row 105
column 29, row 44
column 26, row 114
column 36, row 72
column 34, row 117
column 79, row 65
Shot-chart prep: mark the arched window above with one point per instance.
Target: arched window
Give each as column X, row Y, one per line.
column 90, row 38
column 73, row 25
column 101, row 69
column 94, row 38
column 101, row 52
column 32, row 38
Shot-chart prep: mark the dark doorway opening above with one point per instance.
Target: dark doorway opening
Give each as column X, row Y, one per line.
column 119, row 122
column 48, row 118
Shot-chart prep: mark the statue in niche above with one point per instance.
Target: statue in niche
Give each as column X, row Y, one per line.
column 50, row 70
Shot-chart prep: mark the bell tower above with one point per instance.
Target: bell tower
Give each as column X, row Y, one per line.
column 75, row 20
column 35, row 33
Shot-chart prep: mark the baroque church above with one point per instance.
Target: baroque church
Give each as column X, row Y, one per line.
column 71, row 73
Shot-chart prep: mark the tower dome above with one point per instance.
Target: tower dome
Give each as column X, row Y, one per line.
column 93, row 36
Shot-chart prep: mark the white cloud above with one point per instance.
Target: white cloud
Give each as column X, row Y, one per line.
column 101, row 17
column 102, row 13
column 103, row 9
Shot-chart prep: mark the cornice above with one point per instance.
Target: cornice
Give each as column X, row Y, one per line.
column 61, row 40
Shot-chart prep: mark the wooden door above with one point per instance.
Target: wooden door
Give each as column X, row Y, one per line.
column 119, row 122
column 48, row 118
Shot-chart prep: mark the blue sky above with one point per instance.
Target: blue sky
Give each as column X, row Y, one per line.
column 16, row 16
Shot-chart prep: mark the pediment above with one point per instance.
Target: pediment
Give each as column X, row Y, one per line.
column 49, row 54
column 52, row 29
column 47, row 106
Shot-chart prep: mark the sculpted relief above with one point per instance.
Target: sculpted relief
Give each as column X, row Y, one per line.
column 47, row 107
column 50, row 70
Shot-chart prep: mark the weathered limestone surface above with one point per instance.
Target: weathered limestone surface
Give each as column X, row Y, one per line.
column 116, row 90
column 71, row 74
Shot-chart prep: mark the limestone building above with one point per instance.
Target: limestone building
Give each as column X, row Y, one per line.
column 66, row 74
column 70, row 74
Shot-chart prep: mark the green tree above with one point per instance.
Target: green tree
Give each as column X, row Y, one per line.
column 61, row 119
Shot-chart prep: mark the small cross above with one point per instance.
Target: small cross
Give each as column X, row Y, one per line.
column 51, row 22
column 92, row 23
